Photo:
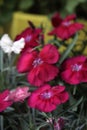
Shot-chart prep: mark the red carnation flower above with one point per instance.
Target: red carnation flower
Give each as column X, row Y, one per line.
column 65, row 28
column 4, row 102
column 46, row 98
column 40, row 65
column 74, row 70
column 31, row 36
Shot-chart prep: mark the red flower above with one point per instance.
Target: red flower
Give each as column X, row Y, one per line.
column 65, row 28
column 4, row 102
column 46, row 98
column 74, row 70
column 31, row 36
column 40, row 65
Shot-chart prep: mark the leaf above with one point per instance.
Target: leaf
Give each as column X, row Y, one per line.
column 72, row 107
column 68, row 50
column 77, row 103
column 9, row 109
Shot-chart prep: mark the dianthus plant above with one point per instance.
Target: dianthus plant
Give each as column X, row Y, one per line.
column 42, row 87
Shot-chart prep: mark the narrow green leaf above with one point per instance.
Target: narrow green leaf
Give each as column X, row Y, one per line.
column 74, row 105
column 77, row 103
column 68, row 50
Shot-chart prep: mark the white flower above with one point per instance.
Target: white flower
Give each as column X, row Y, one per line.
column 9, row 46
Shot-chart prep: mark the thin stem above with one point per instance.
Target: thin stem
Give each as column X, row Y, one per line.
column 1, row 60
column 1, row 68
column 1, row 123
column 33, row 117
column 8, row 78
column 74, row 90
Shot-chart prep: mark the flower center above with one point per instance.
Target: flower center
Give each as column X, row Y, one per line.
column 46, row 95
column 76, row 67
column 37, row 62
column 28, row 38
column 66, row 23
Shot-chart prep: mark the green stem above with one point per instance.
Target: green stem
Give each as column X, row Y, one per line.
column 1, row 68
column 1, row 123
column 1, row 60
column 33, row 117
column 8, row 78
column 74, row 90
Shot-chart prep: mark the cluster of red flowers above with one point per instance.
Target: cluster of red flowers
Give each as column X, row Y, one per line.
column 41, row 68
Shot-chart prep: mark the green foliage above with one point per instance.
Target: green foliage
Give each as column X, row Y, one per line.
column 7, row 7
column 6, row 11
column 72, row 4
column 1, row 2
column 25, row 4
column 21, row 117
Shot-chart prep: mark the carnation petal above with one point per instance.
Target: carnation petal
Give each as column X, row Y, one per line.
column 4, row 94
column 42, row 74
column 70, row 17
column 49, row 54
column 64, row 97
column 25, row 61
column 48, row 107
column 34, row 79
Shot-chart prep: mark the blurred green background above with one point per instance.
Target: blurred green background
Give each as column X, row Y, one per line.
column 46, row 7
